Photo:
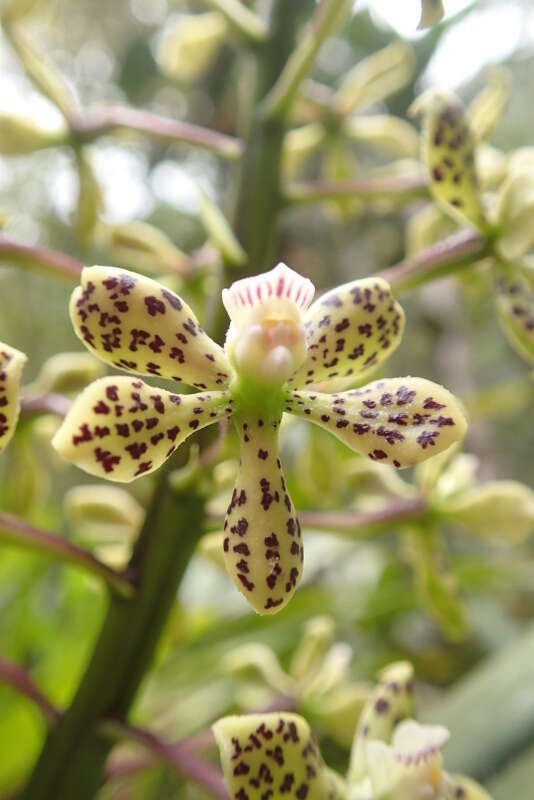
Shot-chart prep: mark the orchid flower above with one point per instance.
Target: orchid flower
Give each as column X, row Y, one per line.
column 11, row 365
column 278, row 347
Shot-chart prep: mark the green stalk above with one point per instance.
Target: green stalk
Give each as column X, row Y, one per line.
column 259, row 197
column 74, row 754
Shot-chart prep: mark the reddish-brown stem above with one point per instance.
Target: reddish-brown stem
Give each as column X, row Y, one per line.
column 353, row 521
column 50, row 261
column 461, row 249
column 319, row 191
column 20, row 533
column 98, row 122
column 179, row 756
column 19, row 679
column 45, row 404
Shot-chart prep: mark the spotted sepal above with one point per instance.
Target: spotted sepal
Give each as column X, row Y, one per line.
column 120, row 428
column 514, row 297
column 399, row 421
column 350, row 331
column 11, row 365
column 272, row 756
column 390, row 702
column 262, row 538
column 137, row 325
column 449, row 153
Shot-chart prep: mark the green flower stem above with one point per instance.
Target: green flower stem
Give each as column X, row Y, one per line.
column 241, row 19
column 94, row 124
column 370, row 189
column 259, row 199
column 444, row 258
column 51, row 262
column 325, row 21
column 16, row 532
column 73, row 758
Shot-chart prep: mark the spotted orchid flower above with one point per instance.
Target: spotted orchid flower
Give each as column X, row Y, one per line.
column 278, row 347
column 267, row 756
column 11, row 365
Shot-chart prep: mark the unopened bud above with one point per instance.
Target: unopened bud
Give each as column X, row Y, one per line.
column 66, row 372
column 19, row 136
column 143, row 247
column 316, row 641
column 393, row 136
column 190, row 44
column 103, row 514
column 502, row 510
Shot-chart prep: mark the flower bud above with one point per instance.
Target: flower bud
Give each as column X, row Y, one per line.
column 316, row 641
column 190, row 44
column 259, row 663
column 19, row 136
column 425, row 227
column 487, row 109
column 220, row 233
column 391, row 135
column 300, row 143
column 66, row 372
column 142, row 246
column 375, row 78
column 502, row 510
column 102, row 515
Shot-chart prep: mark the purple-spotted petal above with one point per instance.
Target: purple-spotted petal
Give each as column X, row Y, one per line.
column 262, row 538
column 138, row 325
column 449, row 152
column 120, row 428
column 271, row 756
column 11, row 365
column 349, row 331
column 399, row 421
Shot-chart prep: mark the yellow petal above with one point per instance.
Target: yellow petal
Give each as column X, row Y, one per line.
column 11, row 365
column 120, row 428
column 139, row 326
column 349, row 331
column 399, row 421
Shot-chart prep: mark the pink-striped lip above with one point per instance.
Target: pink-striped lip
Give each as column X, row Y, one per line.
column 280, row 284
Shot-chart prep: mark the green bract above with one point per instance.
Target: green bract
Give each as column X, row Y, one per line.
column 278, row 348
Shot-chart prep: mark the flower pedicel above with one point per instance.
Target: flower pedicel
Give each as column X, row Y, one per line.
column 278, row 347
